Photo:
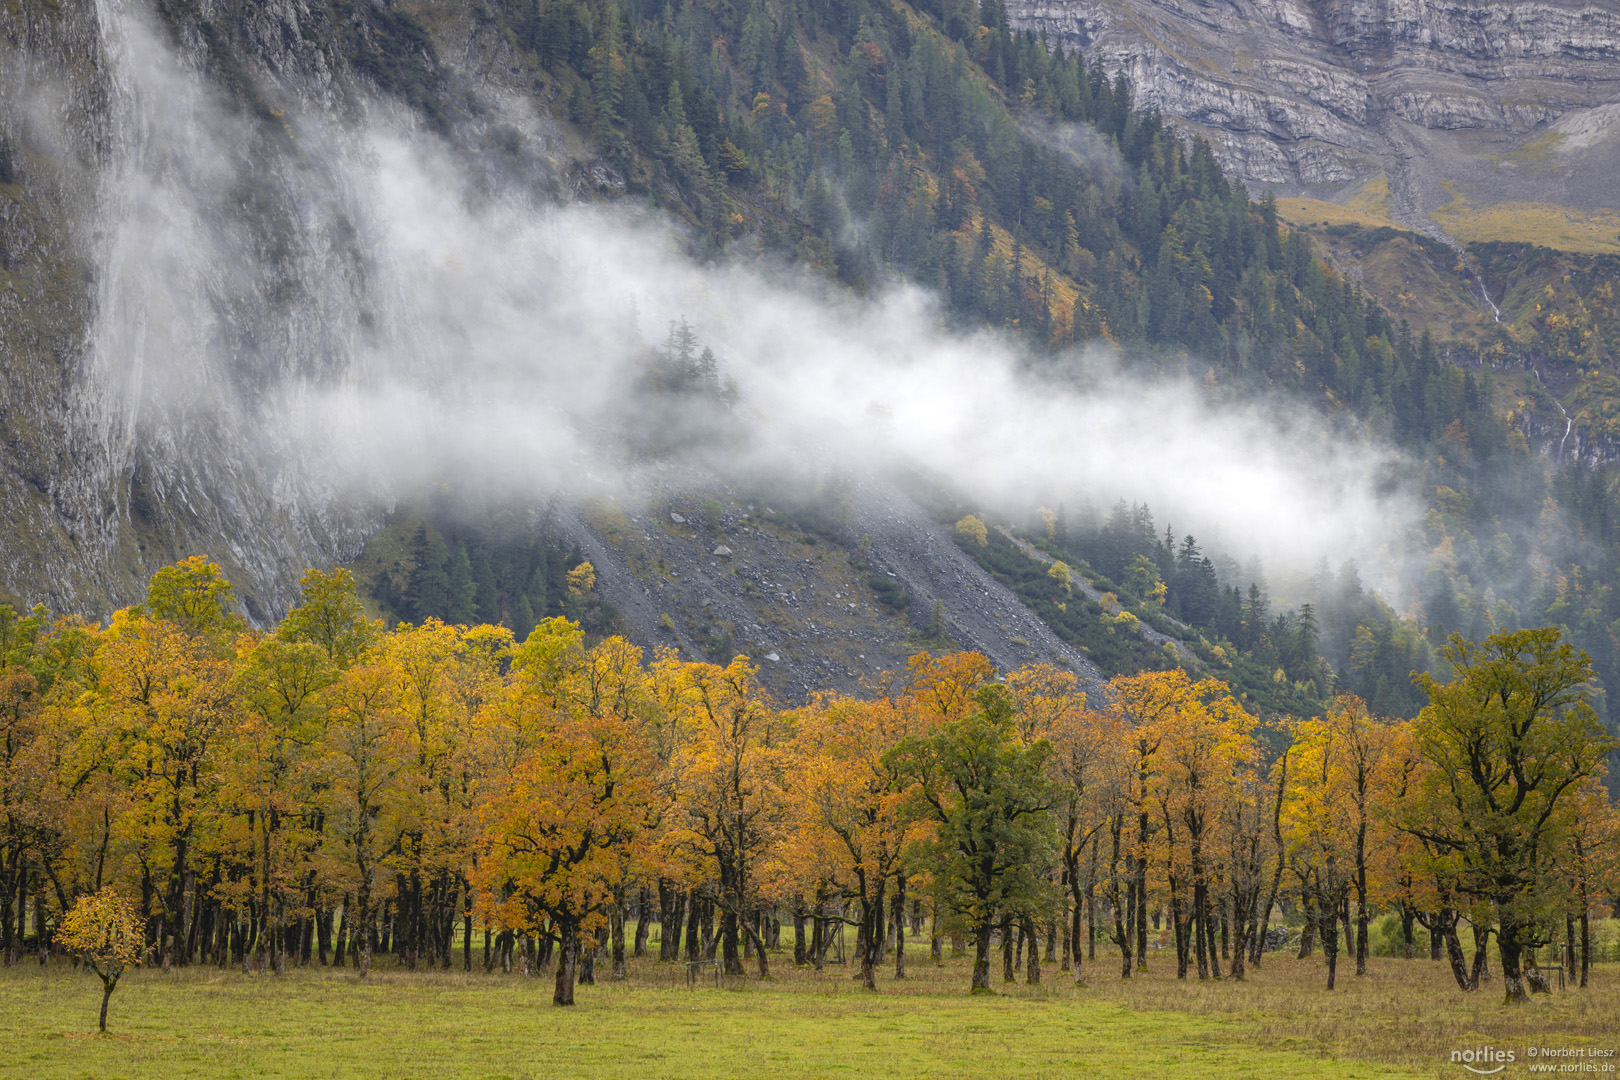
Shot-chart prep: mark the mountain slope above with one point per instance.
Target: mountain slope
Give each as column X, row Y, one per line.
column 311, row 262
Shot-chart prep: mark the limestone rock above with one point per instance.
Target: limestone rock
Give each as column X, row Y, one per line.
column 1320, row 97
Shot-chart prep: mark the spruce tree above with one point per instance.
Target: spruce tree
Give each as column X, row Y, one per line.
column 427, row 593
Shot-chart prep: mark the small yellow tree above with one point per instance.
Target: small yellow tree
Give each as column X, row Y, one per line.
column 972, row 528
column 581, row 580
column 105, row 931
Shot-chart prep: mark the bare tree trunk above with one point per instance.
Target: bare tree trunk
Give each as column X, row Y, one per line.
column 1361, row 930
column 341, row 947
column 1454, row 953
column 1568, row 948
column 981, row 956
column 1482, row 940
column 671, row 912
column 1209, row 922
column 900, row 928
column 1329, row 909
column 1586, row 938
column 617, row 916
column 869, row 945
column 1141, row 912
column 1349, row 927
column 1307, row 931
column 693, row 928
column 1066, row 928
column 1200, row 945
column 1533, row 973
column 730, row 940
column 1243, row 926
column 563, row 989
column 643, row 922
column 1509, row 943
column 1178, row 921
column 1124, row 933
column 764, row 961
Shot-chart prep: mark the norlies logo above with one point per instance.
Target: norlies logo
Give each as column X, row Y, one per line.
column 1485, row 1060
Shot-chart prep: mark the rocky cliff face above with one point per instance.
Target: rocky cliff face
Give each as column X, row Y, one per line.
column 200, row 234
column 184, row 250
column 1512, row 100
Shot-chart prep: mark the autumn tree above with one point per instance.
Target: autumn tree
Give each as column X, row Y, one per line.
column 1511, row 737
column 850, row 812
column 987, row 794
column 105, row 931
column 1146, row 709
column 1204, row 752
column 561, row 829
column 20, row 728
column 264, row 775
column 1052, row 706
column 362, row 756
column 1344, row 764
column 329, row 614
column 164, row 676
column 728, row 799
column 1591, row 867
column 194, row 595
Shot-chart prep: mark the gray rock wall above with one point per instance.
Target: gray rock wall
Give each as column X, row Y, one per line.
column 171, row 258
column 1320, row 97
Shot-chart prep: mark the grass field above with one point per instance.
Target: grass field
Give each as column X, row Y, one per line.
column 1304, row 213
column 1401, row 1020
column 1562, row 228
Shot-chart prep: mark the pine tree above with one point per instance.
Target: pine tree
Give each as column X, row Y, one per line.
column 461, row 591
column 427, row 593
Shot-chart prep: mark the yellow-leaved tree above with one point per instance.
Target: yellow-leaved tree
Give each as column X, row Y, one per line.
column 972, row 528
column 848, row 819
column 105, row 931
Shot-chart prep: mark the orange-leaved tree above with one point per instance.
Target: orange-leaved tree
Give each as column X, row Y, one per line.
column 562, row 830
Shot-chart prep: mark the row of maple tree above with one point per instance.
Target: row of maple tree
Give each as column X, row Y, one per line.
column 332, row 787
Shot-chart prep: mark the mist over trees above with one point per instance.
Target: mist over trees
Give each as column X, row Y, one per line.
column 1024, row 186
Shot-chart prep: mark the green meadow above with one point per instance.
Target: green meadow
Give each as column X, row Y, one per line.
column 1400, row 1020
